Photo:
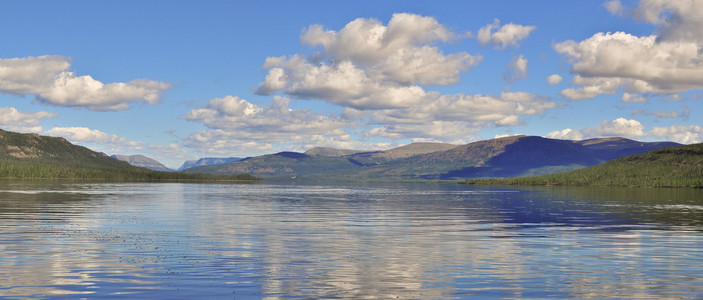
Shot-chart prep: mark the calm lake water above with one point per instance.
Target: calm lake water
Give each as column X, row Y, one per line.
column 407, row 241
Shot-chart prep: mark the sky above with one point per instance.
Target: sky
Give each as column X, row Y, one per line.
column 181, row 80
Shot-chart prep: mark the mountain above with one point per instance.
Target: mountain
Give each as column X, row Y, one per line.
column 142, row 161
column 378, row 157
column 206, row 161
column 284, row 164
column 36, row 156
column 333, row 152
column 502, row 157
column 611, row 148
column 680, row 166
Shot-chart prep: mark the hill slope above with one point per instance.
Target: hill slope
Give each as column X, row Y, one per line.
column 283, row 164
column 666, row 167
column 502, row 157
column 333, row 152
column 206, row 161
column 35, row 156
column 142, row 161
column 611, row 148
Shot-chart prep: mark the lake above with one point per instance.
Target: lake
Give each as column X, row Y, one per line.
column 372, row 241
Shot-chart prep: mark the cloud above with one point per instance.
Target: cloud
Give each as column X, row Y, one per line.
column 84, row 135
column 684, row 134
column 450, row 117
column 554, row 79
column 621, row 127
column 632, row 98
column 516, row 69
column 235, row 114
column 507, row 35
column 677, row 21
column 229, row 143
column 380, row 74
column 48, row 78
column 683, row 114
column 668, row 62
column 13, row 120
column 615, row 7
column 566, row 134
column 239, row 127
column 367, row 65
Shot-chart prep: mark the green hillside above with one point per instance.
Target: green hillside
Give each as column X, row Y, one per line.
column 667, row 167
column 31, row 156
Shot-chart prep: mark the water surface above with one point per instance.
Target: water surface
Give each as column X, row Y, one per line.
column 409, row 241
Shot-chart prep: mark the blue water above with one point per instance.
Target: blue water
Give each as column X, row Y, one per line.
column 406, row 241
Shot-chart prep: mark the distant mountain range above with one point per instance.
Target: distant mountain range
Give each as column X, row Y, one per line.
column 207, row 161
column 503, row 157
column 142, row 161
column 35, row 156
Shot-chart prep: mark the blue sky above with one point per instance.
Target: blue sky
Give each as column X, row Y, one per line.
column 179, row 80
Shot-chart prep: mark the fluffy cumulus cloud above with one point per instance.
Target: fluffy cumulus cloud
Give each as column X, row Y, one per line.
column 667, row 62
column 83, row 135
column 621, row 127
column 381, row 75
column 13, row 120
column 453, row 118
column 554, row 79
column 368, row 65
column 235, row 114
column 503, row 36
column 49, row 79
column 238, row 126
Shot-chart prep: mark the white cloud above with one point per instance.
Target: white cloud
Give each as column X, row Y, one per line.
column 617, row 127
column 275, row 120
column 621, row 127
column 237, row 127
column 677, row 20
column 684, row 134
column 13, row 120
column 367, row 65
column 48, row 78
column 615, row 7
column 84, row 135
column 507, row 35
column 683, row 114
column 380, row 74
column 666, row 63
column 554, row 79
column 449, row 117
column 632, row 98
column 516, row 69
column 566, row 134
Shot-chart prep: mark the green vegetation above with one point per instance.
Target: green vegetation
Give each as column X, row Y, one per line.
column 667, row 167
column 31, row 156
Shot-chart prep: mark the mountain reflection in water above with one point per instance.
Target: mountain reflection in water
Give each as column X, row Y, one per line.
column 375, row 241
